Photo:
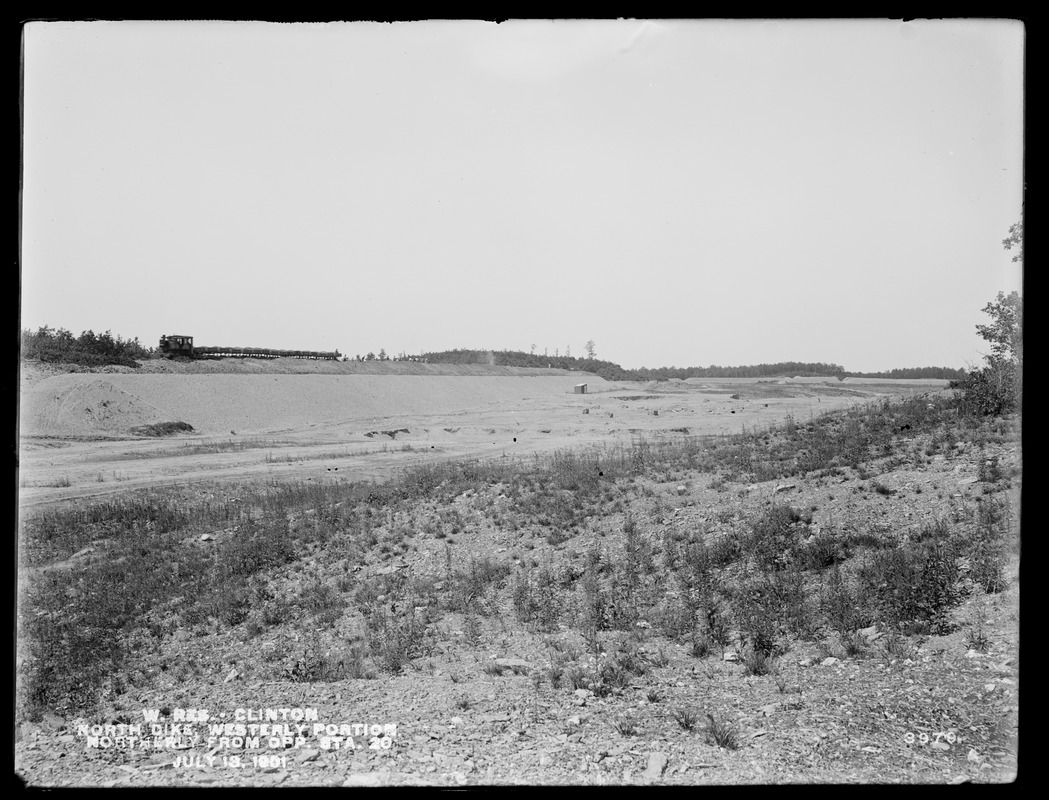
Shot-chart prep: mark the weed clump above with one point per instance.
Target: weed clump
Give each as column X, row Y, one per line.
column 914, row 585
column 987, row 547
column 535, row 597
column 395, row 637
column 625, row 725
column 686, row 718
column 722, row 733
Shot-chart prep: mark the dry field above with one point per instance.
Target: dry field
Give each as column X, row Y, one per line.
column 259, row 421
column 678, row 583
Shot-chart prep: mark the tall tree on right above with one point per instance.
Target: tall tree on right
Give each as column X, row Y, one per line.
column 1005, row 333
column 997, row 388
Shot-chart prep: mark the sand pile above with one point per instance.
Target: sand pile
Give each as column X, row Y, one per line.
column 83, row 404
column 87, row 404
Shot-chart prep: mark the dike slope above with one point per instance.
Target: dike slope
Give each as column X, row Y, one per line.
column 93, row 404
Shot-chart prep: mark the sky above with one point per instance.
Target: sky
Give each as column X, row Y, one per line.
column 680, row 193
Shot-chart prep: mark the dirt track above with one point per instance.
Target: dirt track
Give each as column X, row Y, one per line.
column 76, row 439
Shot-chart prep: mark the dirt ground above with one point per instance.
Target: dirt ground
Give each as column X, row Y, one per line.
column 77, row 440
column 340, row 423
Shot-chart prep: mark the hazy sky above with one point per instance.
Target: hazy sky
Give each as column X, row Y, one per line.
column 682, row 193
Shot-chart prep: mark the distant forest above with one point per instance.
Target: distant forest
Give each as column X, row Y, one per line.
column 613, row 372
column 91, row 349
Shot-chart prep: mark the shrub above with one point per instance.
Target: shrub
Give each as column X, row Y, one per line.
column 853, row 643
column 554, row 674
column 841, row 604
column 577, row 678
column 989, row 470
column 307, row 665
column 243, row 556
column 986, row 550
column 698, row 576
column 396, row 637
column 774, row 538
column 915, row 584
column 311, row 664
column 323, row 602
column 700, row 647
column 976, row 637
column 465, row 586
column 768, row 607
column 354, row 665
column 997, row 388
column 660, row 659
column 758, row 662
column 725, row 549
column 894, row 645
column 535, row 597
column 821, row 551
column 614, row 675
column 595, row 599
column 676, row 621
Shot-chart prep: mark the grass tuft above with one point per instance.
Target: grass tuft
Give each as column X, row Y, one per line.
column 722, row 733
column 686, row 718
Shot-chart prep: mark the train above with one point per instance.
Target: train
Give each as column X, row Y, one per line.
column 178, row 345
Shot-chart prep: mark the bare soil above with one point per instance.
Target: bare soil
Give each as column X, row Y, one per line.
column 269, row 420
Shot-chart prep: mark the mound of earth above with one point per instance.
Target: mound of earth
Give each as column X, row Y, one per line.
column 83, row 404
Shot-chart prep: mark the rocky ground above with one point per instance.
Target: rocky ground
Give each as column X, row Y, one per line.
column 480, row 707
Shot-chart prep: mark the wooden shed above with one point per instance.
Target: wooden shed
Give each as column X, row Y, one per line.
column 580, row 388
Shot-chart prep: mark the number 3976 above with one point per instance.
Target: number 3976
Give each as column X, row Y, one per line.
column 923, row 738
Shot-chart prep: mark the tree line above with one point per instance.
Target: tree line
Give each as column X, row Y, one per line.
column 614, row 372
column 57, row 345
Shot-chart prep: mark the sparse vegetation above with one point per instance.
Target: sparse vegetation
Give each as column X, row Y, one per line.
column 601, row 573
